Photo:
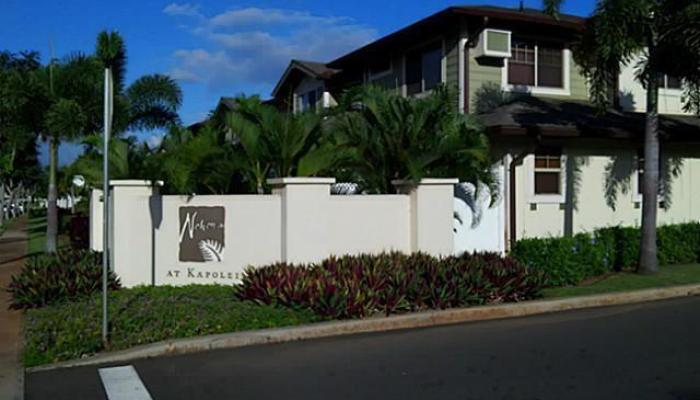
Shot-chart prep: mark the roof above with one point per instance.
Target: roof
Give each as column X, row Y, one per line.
column 534, row 116
column 445, row 17
column 314, row 69
column 317, row 69
column 525, row 14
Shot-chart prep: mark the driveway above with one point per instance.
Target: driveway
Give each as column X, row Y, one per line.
column 648, row 351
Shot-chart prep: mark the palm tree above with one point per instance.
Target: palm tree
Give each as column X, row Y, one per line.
column 666, row 34
column 269, row 143
column 190, row 163
column 390, row 137
column 75, row 92
column 124, row 161
column 18, row 155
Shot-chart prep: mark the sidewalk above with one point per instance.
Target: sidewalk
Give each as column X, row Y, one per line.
column 13, row 247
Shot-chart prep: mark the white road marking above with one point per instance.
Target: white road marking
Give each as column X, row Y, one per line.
column 123, row 383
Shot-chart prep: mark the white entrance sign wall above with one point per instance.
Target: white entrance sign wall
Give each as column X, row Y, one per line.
column 478, row 224
column 314, row 222
column 131, row 240
column 431, row 211
column 251, row 231
column 299, row 222
column 96, row 216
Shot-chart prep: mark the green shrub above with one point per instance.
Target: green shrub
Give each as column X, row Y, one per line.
column 51, row 278
column 679, row 244
column 359, row 286
column 566, row 260
column 144, row 315
column 569, row 260
column 36, row 212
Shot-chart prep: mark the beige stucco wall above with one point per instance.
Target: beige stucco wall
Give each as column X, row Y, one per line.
column 362, row 222
column 546, row 218
column 130, row 217
column 633, row 95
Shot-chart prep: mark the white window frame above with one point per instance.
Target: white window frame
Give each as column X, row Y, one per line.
column 671, row 92
column 321, row 100
column 534, row 198
column 566, row 76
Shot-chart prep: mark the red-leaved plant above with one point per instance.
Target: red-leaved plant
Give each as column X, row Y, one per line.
column 358, row 286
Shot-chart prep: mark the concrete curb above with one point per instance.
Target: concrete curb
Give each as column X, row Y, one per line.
column 381, row 324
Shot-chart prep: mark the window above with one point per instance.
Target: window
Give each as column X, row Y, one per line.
column 521, row 66
column 380, row 74
column 669, row 82
column 424, row 69
column 309, row 100
column 534, row 64
column 548, row 170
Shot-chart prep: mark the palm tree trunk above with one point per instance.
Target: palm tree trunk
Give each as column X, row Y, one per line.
column 648, row 262
column 52, row 210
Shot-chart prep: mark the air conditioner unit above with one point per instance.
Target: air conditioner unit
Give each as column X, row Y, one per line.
column 493, row 43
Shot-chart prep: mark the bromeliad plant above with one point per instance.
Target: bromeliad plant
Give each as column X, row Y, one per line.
column 63, row 276
column 359, row 286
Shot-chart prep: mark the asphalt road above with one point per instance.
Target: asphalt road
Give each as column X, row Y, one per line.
column 649, row 351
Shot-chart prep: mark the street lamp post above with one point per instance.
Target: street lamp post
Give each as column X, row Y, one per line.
column 78, row 181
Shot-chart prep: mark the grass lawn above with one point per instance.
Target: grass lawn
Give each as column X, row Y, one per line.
column 667, row 276
column 145, row 315
column 36, row 232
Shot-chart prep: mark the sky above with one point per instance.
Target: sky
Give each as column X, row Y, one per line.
column 216, row 48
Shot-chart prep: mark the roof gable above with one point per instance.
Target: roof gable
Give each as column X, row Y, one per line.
column 300, row 68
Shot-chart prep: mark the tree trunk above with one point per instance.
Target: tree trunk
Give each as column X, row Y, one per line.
column 648, row 262
column 52, row 210
column 570, row 201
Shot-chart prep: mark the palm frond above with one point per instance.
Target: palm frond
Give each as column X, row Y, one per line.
column 111, row 51
column 154, row 101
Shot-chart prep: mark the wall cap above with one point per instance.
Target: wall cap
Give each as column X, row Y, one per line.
column 426, row 181
column 134, row 182
column 300, row 181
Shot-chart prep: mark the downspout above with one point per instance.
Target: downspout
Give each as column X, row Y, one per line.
column 512, row 216
column 463, row 76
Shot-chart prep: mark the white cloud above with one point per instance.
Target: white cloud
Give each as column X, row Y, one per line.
column 182, row 9
column 250, row 47
column 183, row 75
column 266, row 16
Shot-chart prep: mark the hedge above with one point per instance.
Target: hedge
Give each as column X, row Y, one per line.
column 569, row 260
